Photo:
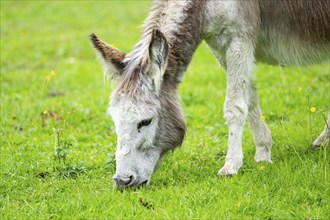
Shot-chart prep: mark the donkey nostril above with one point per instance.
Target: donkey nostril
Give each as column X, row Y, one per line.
column 132, row 179
column 124, row 181
column 129, row 180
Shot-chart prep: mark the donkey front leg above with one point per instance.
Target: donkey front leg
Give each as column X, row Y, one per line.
column 239, row 63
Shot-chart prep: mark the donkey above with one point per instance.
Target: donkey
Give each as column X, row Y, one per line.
column 145, row 104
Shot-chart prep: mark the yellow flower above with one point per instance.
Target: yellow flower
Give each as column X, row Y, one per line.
column 312, row 109
column 299, row 89
column 262, row 118
column 49, row 77
column 45, row 112
column 262, row 167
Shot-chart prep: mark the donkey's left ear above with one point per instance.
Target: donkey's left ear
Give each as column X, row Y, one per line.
column 158, row 53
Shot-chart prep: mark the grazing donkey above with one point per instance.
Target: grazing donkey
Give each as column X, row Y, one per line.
column 145, row 105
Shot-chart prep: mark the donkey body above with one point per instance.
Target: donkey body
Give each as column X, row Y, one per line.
column 145, row 105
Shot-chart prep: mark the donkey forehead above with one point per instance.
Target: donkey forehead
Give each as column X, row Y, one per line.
column 128, row 108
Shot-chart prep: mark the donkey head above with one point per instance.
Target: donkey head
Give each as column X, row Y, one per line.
column 148, row 120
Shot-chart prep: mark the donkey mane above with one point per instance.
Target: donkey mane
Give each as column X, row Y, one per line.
column 178, row 21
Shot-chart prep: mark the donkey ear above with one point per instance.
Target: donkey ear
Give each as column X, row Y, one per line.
column 158, row 53
column 111, row 57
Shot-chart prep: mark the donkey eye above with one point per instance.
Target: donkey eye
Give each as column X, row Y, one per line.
column 143, row 123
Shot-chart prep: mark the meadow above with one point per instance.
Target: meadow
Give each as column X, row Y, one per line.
column 57, row 143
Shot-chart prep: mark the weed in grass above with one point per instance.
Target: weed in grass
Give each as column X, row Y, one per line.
column 62, row 166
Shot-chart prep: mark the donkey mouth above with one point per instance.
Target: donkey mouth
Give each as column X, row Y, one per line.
column 133, row 187
column 130, row 182
column 144, row 183
column 140, row 185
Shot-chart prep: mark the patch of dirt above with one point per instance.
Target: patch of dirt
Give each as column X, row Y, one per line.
column 55, row 94
column 42, row 174
column 48, row 115
column 146, row 204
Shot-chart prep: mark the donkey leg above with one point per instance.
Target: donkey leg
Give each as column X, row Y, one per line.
column 261, row 133
column 239, row 60
column 323, row 139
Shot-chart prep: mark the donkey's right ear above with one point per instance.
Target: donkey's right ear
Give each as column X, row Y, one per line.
column 111, row 57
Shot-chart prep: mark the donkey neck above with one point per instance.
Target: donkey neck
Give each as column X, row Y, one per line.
column 181, row 23
column 184, row 34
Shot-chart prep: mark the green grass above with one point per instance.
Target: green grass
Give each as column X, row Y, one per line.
column 36, row 182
